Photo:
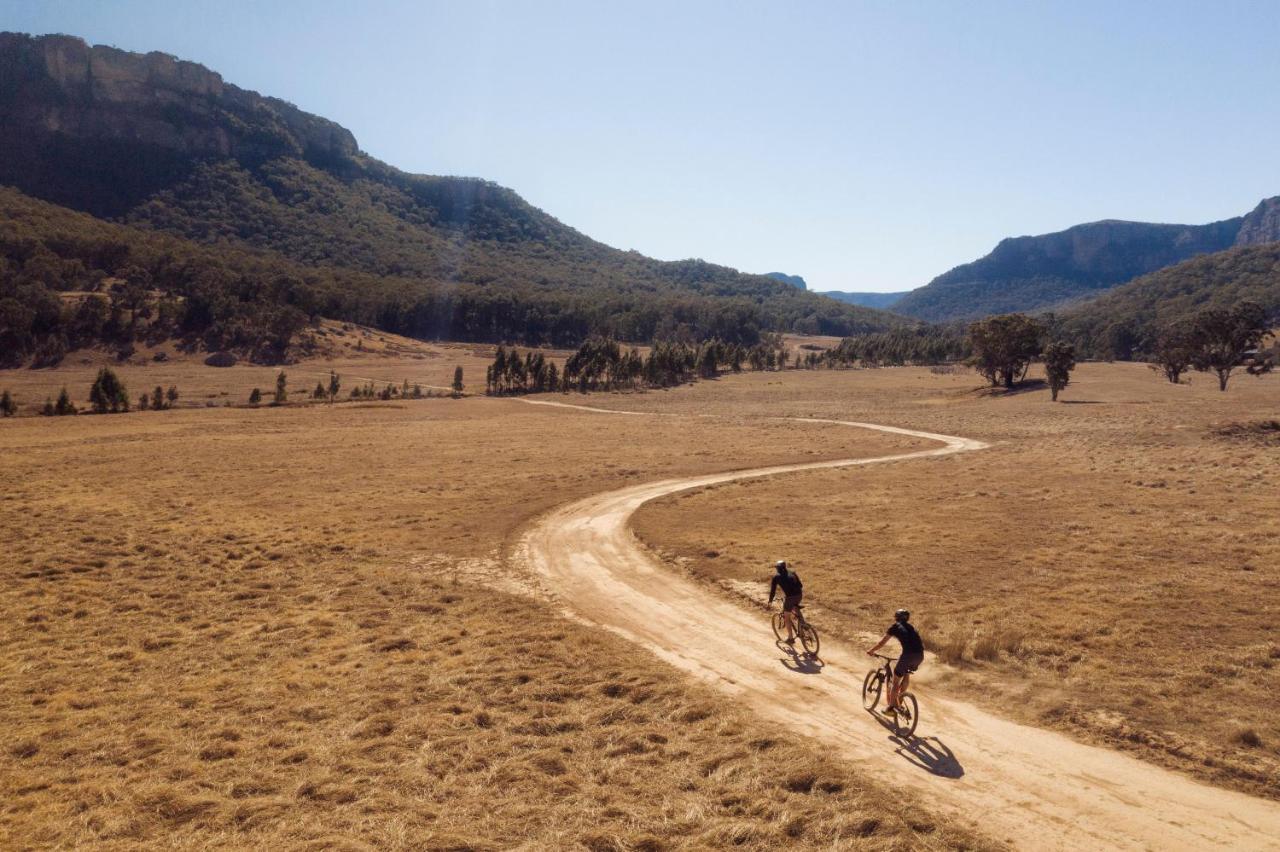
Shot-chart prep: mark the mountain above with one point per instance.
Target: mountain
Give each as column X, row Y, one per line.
column 793, row 280
column 869, row 300
column 1026, row 273
column 1262, row 225
column 167, row 146
column 1136, row 310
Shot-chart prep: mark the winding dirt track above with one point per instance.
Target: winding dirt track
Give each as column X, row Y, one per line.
column 1033, row 788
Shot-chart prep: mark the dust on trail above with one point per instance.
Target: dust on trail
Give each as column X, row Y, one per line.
column 1033, row 788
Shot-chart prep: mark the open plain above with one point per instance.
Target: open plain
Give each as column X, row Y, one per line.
column 307, row 625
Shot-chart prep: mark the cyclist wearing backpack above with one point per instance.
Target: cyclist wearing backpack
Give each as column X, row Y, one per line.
column 908, row 661
column 792, row 593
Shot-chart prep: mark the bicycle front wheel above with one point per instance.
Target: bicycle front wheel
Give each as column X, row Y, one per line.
column 779, row 626
column 809, row 639
column 872, row 684
column 907, row 717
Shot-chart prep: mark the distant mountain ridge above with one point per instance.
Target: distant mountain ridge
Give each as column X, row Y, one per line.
column 165, row 144
column 1037, row 272
column 883, row 301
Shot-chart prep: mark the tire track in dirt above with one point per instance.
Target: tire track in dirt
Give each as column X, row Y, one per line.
column 1033, row 788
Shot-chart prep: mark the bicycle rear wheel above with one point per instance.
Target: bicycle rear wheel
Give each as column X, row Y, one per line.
column 809, row 638
column 779, row 626
column 907, row 717
column 872, row 684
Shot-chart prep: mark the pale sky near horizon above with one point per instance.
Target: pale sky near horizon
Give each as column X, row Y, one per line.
column 865, row 146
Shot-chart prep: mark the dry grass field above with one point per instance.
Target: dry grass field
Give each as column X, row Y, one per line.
column 279, row 628
column 1109, row 567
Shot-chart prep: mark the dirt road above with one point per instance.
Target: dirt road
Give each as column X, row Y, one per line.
column 1033, row 788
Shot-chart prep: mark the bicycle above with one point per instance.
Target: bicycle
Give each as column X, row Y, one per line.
column 908, row 714
column 808, row 635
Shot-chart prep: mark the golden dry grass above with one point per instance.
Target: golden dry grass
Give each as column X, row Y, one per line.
column 1110, row 567
column 268, row 628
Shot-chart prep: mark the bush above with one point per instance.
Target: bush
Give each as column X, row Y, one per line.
column 255, row 396
column 108, row 393
column 8, row 407
column 221, row 359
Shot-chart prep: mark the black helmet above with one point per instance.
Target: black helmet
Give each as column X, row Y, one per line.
column 781, row 565
column 902, row 615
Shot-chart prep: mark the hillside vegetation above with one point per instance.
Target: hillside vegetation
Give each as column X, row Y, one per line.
column 1136, row 311
column 167, row 146
column 1026, row 273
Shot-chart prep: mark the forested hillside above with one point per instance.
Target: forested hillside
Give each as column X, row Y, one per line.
column 1129, row 317
column 1027, row 273
column 168, row 147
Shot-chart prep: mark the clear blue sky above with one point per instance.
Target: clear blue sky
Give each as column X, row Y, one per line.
column 861, row 145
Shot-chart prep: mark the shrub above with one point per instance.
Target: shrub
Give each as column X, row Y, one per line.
column 63, row 407
column 221, row 359
column 255, row 396
column 8, row 407
column 951, row 649
column 108, row 393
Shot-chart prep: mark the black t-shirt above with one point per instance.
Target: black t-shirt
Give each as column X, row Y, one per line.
column 912, row 644
column 789, row 582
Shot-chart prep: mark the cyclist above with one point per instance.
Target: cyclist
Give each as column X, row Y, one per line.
column 908, row 661
column 792, row 593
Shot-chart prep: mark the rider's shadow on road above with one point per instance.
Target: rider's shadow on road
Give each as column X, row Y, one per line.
column 797, row 662
column 929, row 754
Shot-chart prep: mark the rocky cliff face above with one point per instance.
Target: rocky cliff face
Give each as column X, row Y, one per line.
column 151, row 114
column 1262, row 225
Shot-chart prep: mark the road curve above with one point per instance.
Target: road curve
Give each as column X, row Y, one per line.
column 1033, row 788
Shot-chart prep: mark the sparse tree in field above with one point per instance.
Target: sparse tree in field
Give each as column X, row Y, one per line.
column 553, row 377
column 417, row 391
column 255, row 397
column 8, row 407
column 282, row 389
column 63, row 406
column 171, row 396
column 144, row 401
column 1059, row 361
column 47, row 409
column 404, row 389
column 1004, row 346
column 335, row 385
column 318, row 392
column 1175, row 350
column 1225, row 338
column 108, row 393
column 457, row 382
column 157, row 399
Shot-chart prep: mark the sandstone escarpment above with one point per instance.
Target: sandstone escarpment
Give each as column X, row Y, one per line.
column 142, row 118
column 1262, row 225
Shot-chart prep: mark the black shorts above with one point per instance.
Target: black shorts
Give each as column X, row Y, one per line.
column 907, row 665
column 790, row 602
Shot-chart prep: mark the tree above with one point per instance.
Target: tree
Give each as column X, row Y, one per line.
column 457, row 382
column 1059, row 361
column 255, row 397
column 157, row 399
column 63, row 406
column 1004, row 346
column 335, row 385
column 47, row 410
column 8, row 407
column 108, row 393
column 144, row 402
column 1175, row 350
column 417, row 391
column 1225, row 338
column 282, row 389
column 171, row 396
column 319, row 391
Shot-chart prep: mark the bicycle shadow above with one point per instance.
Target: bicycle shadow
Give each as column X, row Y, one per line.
column 798, row 662
column 930, row 754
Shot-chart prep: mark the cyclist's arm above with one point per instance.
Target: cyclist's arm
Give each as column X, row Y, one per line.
column 773, row 588
column 878, row 645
